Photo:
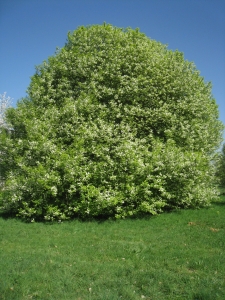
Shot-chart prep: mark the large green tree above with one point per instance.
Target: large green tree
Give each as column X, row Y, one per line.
column 115, row 125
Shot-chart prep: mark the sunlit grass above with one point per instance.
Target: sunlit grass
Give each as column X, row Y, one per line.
column 177, row 255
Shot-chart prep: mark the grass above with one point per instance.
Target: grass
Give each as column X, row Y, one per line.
column 178, row 255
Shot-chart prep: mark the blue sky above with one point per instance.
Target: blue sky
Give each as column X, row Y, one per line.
column 30, row 31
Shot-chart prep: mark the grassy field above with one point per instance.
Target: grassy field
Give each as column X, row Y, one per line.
column 178, row 255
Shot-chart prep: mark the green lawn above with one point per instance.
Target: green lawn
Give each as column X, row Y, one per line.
column 178, row 255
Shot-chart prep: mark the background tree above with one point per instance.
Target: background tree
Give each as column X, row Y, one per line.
column 221, row 167
column 5, row 103
column 114, row 125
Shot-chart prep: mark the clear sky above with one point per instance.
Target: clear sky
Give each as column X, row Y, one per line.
column 30, row 31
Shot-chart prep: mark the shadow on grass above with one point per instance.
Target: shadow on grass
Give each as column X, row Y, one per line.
column 7, row 215
column 219, row 203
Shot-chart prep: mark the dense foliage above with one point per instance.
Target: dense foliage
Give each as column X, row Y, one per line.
column 114, row 124
column 220, row 167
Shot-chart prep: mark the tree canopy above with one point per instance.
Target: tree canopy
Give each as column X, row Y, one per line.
column 114, row 125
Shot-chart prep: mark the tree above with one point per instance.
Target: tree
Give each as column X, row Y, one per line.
column 220, row 171
column 5, row 103
column 114, row 125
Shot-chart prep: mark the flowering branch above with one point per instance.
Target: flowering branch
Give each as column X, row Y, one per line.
column 5, row 103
